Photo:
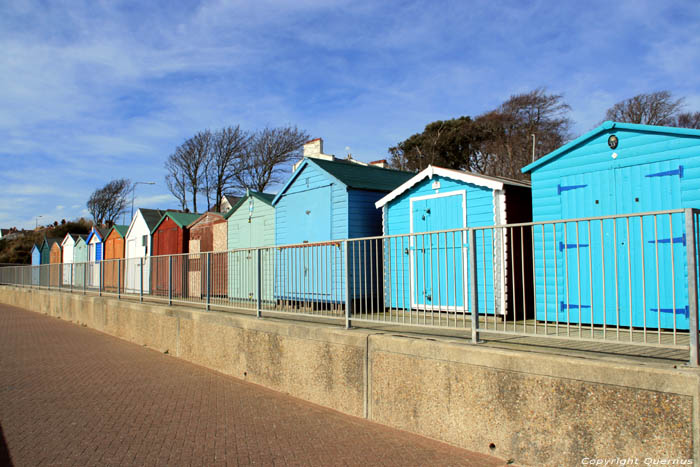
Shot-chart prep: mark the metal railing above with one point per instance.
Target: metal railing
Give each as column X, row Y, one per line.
column 629, row 279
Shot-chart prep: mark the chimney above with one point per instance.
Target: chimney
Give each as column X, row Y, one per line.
column 380, row 163
column 313, row 148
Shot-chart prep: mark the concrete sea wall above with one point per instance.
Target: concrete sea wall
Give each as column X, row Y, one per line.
column 534, row 408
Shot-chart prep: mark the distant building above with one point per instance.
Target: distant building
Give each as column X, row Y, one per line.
column 227, row 202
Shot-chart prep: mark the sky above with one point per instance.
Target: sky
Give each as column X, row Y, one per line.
column 96, row 90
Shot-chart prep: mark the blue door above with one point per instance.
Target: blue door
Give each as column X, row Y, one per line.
column 607, row 270
column 299, row 276
column 437, row 259
column 653, row 241
column 580, row 248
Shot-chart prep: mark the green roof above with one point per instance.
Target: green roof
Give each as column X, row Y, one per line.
column 364, row 177
column 121, row 230
column 182, row 219
column 264, row 197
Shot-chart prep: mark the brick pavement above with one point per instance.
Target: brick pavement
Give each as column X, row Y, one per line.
column 73, row 396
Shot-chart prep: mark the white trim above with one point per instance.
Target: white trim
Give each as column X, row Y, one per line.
column 133, row 221
column 411, row 250
column 430, row 172
column 501, row 253
column 65, row 239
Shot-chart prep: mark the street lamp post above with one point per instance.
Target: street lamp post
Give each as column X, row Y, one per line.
column 133, row 192
column 36, row 226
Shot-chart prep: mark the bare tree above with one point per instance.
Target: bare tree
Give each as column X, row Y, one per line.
column 507, row 145
column 176, row 183
column 267, row 154
column 688, row 120
column 228, row 149
column 106, row 204
column 656, row 108
column 189, row 162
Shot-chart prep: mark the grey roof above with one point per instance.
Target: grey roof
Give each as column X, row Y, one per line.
column 152, row 217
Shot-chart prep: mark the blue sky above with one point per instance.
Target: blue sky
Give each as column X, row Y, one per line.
column 95, row 90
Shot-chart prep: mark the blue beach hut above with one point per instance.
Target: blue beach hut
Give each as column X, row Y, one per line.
column 95, row 244
column 430, row 271
column 36, row 262
column 625, row 271
column 326, row 199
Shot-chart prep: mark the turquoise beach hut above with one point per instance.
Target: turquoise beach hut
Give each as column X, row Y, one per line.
column 605, row 271
column 251, row 224
column 429, row 271
column 327, row 199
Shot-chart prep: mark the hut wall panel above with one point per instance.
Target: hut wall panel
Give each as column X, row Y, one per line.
column 259, row 232
column 67, row 258
column 592, row 164
column 114, row 270
column 133, row 250
column 289, row 267
column 169, row 239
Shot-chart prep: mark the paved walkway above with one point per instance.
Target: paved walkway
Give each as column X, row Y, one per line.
column 73, row 396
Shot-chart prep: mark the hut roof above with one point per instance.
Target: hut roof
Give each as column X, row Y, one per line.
column 609, row 125
column 120, row 229
column 182, row 219
column 353, row 175
column 495, row 183
column 266, row 198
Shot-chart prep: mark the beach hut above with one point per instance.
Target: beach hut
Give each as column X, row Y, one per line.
column 327, row 199
column 207, row 234
column 170, row 237
column 36, row 263
column 68, row 246
column 45, row 249
column 80, row 264
column 138, row 249
column 430, row 271
column 55, row 262
column 605, row 271
column 45, row 257
column 94, row 243
column 251, row 224
column 113, row 255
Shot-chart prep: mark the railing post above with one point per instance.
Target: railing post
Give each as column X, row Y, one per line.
column 71, row 278
column 692, row 286
column 48, row 284
column 208, row 266
column 348, row 322
column 473, row 292
column 170, row 280
column 99, row 279
column 119, row 279
column 141, row 279
column 85, row 270
column 258, row 283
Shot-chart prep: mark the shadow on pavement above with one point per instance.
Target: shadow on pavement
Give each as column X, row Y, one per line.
column 5, row 458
